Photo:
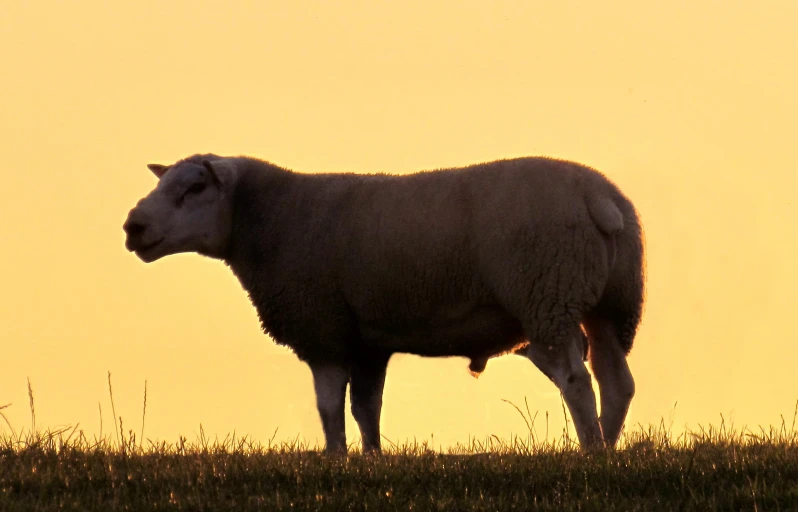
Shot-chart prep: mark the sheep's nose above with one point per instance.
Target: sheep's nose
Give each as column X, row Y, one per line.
column 134, row 227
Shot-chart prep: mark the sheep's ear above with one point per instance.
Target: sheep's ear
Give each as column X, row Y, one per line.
column 158, row 169
column 207, row 164
column 223, row 172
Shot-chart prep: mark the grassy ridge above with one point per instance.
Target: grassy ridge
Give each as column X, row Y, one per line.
column 711, row 470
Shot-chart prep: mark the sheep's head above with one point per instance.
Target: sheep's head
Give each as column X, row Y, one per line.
column 190, row 210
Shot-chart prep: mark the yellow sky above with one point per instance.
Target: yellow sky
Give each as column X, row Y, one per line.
column 690, row 107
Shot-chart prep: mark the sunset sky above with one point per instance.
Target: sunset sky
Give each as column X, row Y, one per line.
column 690, row 107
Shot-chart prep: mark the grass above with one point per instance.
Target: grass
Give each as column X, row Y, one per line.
column 718, row 468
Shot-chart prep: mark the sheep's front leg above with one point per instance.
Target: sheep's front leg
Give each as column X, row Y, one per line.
column 368, row 381
column 330, row 381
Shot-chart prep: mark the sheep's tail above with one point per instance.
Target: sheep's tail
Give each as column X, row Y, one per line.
column 609, row 220
column 622, row 300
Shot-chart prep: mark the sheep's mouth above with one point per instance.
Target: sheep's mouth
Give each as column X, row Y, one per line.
column 142, row 249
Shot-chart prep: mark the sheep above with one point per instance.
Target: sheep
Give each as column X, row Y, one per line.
column 533, row 256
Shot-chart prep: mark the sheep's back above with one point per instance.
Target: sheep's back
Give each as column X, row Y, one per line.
column 409, row 245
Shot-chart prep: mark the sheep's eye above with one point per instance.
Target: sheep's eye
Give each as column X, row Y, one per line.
column 196, row 188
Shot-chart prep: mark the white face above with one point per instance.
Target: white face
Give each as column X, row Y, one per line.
column 189, row 211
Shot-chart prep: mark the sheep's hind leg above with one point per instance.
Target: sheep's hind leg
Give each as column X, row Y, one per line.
column 562, row 361
column 366, row 386
column 616, row 385
column 329, row 382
